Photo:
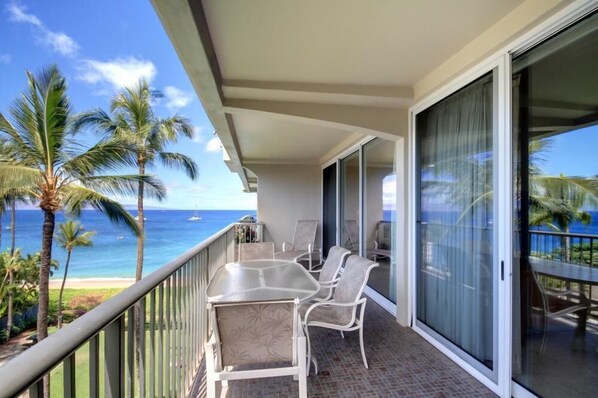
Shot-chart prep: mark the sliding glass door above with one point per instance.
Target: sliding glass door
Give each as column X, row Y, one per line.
column 555, row 283
column 455, row 208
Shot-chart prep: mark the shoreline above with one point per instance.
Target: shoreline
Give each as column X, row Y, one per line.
column 92, row 283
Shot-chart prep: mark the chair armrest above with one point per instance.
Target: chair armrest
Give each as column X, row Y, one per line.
column 285, row 248
column 331, row 283
column 332, row 303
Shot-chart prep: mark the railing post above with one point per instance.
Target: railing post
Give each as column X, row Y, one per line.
column 114, row 358
column 94, row 367
column 68, row 374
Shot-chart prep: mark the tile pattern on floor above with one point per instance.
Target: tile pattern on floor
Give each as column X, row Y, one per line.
column 402, row 364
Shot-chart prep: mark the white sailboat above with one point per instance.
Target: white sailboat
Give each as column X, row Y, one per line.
column 195, row 216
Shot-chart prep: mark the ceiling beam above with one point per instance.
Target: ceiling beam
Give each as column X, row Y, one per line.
column 380, row 122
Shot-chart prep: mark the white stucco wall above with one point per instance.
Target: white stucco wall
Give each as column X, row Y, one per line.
column 288, row 193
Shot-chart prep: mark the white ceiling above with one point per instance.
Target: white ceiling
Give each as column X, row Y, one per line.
column 294, row 142
column 375, row 42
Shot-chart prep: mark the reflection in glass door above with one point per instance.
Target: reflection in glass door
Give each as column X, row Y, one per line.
column 555, row 291
column 455, row 274
column 349, row 202
column 380, row 212
column 328, row 208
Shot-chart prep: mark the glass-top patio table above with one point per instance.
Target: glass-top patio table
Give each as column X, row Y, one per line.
column 261, row 280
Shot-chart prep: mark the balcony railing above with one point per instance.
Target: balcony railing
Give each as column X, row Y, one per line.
column 102, row 345
column 567, row 247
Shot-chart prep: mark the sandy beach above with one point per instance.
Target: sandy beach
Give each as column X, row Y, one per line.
column 92, row 283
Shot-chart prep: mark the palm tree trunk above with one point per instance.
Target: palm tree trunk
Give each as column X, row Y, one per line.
column 139, row 325
column 44, row 285
column 66, row 270
column 13, row 223
column 141, row 223
column 9, row 311
column 44, row 274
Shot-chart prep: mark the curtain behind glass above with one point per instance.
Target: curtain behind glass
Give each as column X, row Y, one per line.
column 455, row 286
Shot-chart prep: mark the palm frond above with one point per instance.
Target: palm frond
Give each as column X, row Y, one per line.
column 77, row 197
column 18, row 177
column 179, row 161
column 109, row 154
column 126, row 185
column 72, row 234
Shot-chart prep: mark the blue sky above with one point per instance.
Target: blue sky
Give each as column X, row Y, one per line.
column 105, row 45
column 573, row 153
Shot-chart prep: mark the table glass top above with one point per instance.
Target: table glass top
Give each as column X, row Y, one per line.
column 259, row 280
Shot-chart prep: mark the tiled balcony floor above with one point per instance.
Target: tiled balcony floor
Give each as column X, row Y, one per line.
column 402, row 364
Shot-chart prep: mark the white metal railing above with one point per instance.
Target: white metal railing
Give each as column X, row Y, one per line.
column 102, row 345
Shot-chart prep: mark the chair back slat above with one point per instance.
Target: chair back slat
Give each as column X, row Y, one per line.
column 256, row 333
column 256, row 251
column 305, row 234
column 353, row 279
column 334, row 261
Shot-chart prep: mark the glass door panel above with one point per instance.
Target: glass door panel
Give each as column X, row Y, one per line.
column 555, row 296
column 380, row 214
column 329, row 207
column 456, row 284
column 350, row 215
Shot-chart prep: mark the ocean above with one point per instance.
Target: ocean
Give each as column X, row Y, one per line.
column 169, row 234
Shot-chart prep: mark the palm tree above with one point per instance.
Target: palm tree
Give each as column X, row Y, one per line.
column 48, row 163
column 134, row 122
column 71, row 234
column 558, row 201
column 11, row 263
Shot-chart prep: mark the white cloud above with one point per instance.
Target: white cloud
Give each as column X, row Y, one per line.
column 58, row 42
column 5, row 58
column 176, row 98
column 18, row 14
column 118, row 73
column 214, row 145
column 198, row 134
column 61, row 43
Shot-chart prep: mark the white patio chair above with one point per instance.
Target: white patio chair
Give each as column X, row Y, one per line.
column 256, row 251
column 352, row 236
column 557, row 303
column 303, row 244
column 341, row 313
column 255, row 333
column 328, row 274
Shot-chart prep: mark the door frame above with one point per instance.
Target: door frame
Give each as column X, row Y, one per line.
column 499, row 66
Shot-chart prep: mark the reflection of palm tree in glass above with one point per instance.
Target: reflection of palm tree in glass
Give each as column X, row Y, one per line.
column 555, row 201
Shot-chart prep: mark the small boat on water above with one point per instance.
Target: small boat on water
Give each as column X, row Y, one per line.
column 195, row 217
column 137, row 218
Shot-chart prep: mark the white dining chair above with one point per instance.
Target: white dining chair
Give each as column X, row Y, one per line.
column 345, row 311
column 328, row 274
column 261, row 334
column 303, row 244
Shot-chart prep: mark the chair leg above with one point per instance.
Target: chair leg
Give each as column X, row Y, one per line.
column 544, row 332
column 306, row 329
column 342, row 334
column 302, row 368
column 210, row 366
column 365, row 361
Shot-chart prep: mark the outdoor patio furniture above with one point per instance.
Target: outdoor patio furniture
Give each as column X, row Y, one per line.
column 341, row 312
column 267, row 333
column 557, row 303
column 352, row 239
column 303, row 245
column 256, row 251
column 328, row 273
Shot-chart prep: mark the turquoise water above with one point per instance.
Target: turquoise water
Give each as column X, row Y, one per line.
column 169, row 233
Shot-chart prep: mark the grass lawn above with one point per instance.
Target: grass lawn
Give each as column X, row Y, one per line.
column 72, row 299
